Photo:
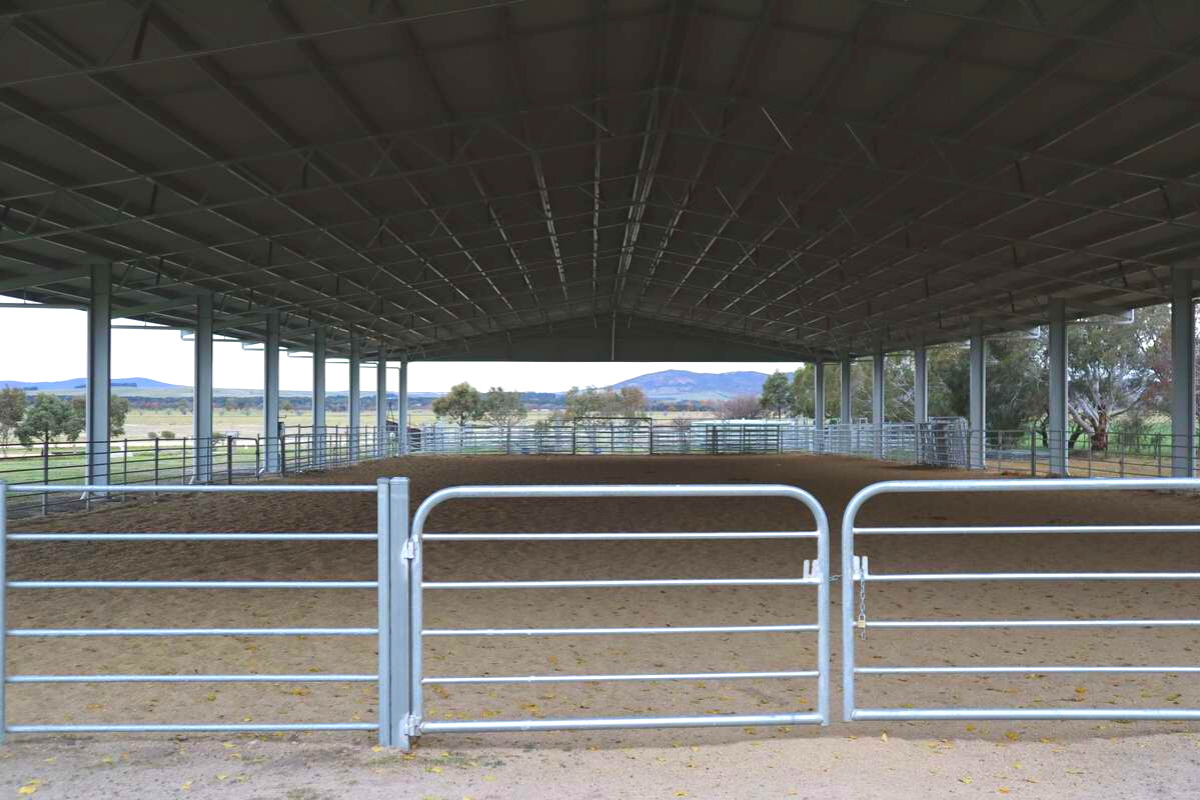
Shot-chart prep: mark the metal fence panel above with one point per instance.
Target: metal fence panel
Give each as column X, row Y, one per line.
column 857, row 573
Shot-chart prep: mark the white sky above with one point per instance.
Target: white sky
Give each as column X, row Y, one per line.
column 51, row 345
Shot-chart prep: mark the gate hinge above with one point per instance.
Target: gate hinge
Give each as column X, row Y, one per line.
column 811, row 571
column 409, row 551
column 412, row 725
column 860, row 568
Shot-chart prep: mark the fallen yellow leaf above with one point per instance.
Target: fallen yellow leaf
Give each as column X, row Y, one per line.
column 965, row 779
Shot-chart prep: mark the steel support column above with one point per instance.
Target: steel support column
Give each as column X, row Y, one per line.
column 977, row 397
column 1183, row 377
column 318, row 399
column 355, row 402
column 1056, row 424
column 920, row 384
column 381, row 404
column 818, row 406
column 99, row 375
column 271, row 428
column 402, row 408
column 202, row 389
column 877, row 372
column 844, row 408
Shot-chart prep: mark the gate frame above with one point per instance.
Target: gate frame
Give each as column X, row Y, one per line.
column 815, row 573
column 855, row 569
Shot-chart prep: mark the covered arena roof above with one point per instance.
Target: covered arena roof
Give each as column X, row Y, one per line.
column 596, row 179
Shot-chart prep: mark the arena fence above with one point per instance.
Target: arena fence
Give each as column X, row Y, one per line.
column 389, row 494
column 813, row 573
column 857, row 573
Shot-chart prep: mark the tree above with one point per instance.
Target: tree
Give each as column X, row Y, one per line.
column 745, row 406
column 47, row 419
column 463, row 404
column 118, row 410
column 503, row 409
column 1110, row 370
column 802, row 393
column 631, row 402
column 776, row 395
column 592, row 403
column 12, row 408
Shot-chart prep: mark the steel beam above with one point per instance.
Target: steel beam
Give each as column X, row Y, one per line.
column 1183, row 375
column 202, row 390
column 1056, row 424
column 271, row 426
column 977, row 396
column 99, row 375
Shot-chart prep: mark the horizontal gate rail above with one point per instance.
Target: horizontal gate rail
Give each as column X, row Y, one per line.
column 813, row 573
column 858, row 571
column 383, row 493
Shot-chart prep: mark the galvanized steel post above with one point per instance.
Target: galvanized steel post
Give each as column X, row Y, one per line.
column 202, row 389
column 1056, row 425
column 1183, row 401
column 977, row 397
column 403, row 613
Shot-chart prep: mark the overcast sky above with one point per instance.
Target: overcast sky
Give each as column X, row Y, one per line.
column 51, row 344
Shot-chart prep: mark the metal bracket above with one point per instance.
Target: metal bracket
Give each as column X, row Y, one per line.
column 409, row 551
column 411, row 726
column 811, row 571
column 860, row 568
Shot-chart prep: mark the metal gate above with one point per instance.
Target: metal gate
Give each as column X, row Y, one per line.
column 859, row 571
column 390, row 495
column 813, row 573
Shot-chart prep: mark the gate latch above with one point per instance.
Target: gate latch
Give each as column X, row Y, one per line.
column 860, row 569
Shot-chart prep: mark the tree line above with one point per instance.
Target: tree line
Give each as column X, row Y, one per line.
column 50, row 418
column 1118, row 376
column 464, row 404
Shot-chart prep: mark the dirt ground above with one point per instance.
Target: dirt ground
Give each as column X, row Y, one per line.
column 1035, row 759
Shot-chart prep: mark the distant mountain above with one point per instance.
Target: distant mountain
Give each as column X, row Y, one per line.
column 680, row 384
column 78, row 384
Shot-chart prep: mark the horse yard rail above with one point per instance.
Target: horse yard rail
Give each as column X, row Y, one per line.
column 857, row 573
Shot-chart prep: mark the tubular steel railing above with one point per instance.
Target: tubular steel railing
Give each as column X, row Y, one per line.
column 856, row 571
column 392, row 503
column 813, row 573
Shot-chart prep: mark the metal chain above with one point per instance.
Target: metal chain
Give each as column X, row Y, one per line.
column 862, row 605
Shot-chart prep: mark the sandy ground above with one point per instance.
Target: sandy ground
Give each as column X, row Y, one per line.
column 1039, row 759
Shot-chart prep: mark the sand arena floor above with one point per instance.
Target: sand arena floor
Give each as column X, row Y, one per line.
column 465, row 759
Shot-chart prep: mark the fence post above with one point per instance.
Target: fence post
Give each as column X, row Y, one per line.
column 1032, row 452
column 401, row 657
column 45, row 478
column 283, row 456
column 183, row 468
column 156, row 456
column 229, row 459
column 125, row 465
column 257, row 455
column 1158, row 452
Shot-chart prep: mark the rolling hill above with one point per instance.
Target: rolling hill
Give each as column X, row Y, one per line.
column 680, row 384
